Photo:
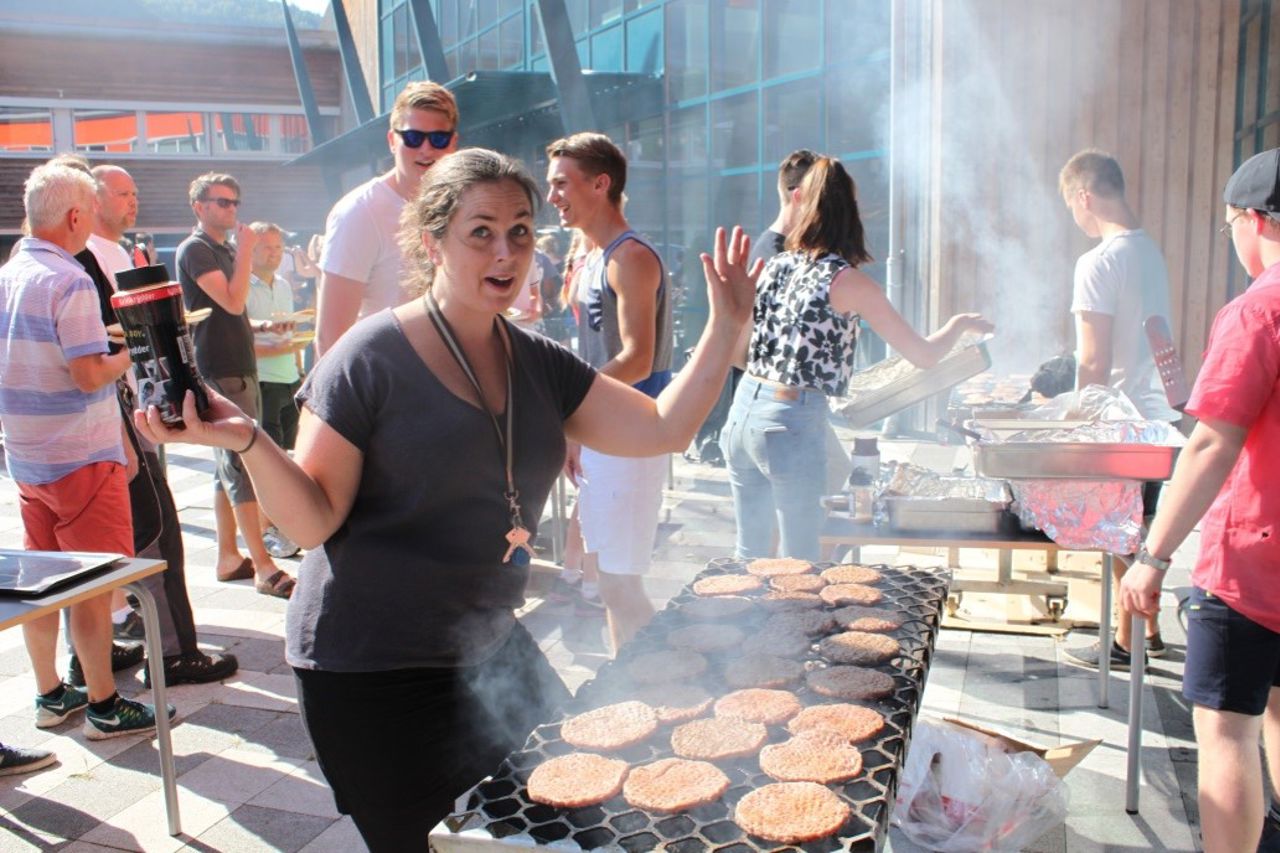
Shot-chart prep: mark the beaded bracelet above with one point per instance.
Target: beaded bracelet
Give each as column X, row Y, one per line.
column 252, row 440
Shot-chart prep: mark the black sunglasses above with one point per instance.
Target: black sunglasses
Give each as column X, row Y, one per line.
column 223, row 203
column 414, row 138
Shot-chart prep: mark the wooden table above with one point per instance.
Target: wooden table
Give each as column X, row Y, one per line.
column 127, row 575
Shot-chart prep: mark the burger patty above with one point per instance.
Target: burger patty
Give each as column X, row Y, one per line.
column 852, row 722
column 781, row 642
column 814, row 756
column 674, row 784
column 859, row 647
column 858, row 618
column 811, row 623
column 850, row 593
column 717, row 609
column 727, row 585
column 616, row 726
column 717, row 738
column 851, row 573
column 850, row 682
column 772, row 566
column 672, row 665
column 797, row 583
column 674, row 703
column 706, row 637
column 759, row 705
column 762, row 671
column 780, row 602
column 577, row 779
column 791, row 812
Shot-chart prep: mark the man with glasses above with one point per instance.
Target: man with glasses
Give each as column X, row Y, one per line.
column 360, row 264
column 1119, row 283
column 1226, row 473
column 215, row 275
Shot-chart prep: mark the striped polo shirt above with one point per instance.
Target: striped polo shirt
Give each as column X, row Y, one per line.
column 49, row 315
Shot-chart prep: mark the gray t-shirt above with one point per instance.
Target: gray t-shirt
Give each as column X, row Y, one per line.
column 224, row 342
column 414, row 577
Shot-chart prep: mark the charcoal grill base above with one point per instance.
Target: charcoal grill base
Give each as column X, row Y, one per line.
column 499, row 813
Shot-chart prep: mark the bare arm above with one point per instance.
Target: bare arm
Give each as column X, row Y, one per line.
column 91, row 372
column 635, row 276
column 1093, row 348
column 337, row 308
column 232, row 294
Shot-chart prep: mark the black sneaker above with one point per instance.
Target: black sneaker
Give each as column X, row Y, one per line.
column 130, row 629
column 126, row 717
column 15, row 760
column 194, row 668
column 1156, row 647
column 1089, row 656
column 122, row 657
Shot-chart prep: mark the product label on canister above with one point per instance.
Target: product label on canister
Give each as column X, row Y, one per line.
column 160, row 348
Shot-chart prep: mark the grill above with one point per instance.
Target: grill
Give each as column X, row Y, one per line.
column 499, row 812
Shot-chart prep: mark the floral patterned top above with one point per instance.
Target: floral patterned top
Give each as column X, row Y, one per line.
column 798, row 338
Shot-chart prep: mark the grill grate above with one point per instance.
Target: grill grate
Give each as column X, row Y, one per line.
column 499, row 809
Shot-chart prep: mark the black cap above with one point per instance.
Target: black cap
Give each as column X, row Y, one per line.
column 1256, row 184
column 141, row 277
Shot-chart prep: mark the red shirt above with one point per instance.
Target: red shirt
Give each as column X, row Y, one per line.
column 1239, row 383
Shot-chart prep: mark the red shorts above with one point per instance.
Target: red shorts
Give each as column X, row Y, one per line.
column 87, row 510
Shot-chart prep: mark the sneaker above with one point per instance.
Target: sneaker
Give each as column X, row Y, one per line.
column 1088, row 657
column 194, row 668
column 122, row 657
column 50, row 713
column 130, row 629
column 277, row 544
column 15, row 760
column 126, row 717
column 1156, row 647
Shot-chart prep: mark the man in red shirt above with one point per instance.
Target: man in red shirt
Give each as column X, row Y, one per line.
column 1232, row 672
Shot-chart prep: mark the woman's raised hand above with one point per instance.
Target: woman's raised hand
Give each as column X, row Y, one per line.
column 224, row 424
column 974, row 323
column 731, row 277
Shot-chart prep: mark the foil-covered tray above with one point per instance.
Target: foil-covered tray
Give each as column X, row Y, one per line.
column 895, row 383
column 1080, row 461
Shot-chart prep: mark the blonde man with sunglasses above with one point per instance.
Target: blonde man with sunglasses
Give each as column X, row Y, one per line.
column 360, row 265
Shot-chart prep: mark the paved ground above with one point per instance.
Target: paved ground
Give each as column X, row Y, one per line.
column 248, row 780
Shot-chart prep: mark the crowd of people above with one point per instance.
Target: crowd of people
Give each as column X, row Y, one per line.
column 410, row 455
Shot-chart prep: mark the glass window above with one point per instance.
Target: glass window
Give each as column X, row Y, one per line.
column 577, row 15
column 105, row 130
column 25, row 129
column 241, row 132
column 871, row 182
column 686, row 33
column 735, row 200
column 858, row 109
column 792, row 119
column 512, row 40
column 856, row 29
column 467, row 57
column 688, row 139
column 489, row 57
column 467, row 18
column 606, row 50
column 734, row 130
column 506, row 7
column 644, row 43
column 486, row 13
column 387, row 48
column 735, row 44
column 406, row 44
column 294, row 136
column 644, row 146
column 447, row 21
column 791, row 36
column 175, row 133
column 451, row 60
column 536, row 44
column 605, row 12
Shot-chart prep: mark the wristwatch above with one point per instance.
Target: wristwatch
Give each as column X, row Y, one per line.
column 1147, row 558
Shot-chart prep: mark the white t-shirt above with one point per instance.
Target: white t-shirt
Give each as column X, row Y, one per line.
column 1125, row 278
column 361, row 243
column 111, row 256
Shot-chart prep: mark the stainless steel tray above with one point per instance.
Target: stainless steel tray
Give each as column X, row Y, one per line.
column 1014, row 424
column 958, row 515
column 1025, row 460
column 894, row 384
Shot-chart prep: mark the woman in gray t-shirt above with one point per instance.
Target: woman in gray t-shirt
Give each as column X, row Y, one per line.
column 414, row 677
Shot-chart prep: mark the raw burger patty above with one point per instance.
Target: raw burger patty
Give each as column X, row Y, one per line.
column 727, row 585
column 797, row 583
column 717, row 738
column 850, row 682
column 811, row 623
column 767, row 568
column 859, row 647
column 674, row 665
column 762, row 671
column 675, row 703
column 717, row 609
column 791, row 812
column 816, row 756
column 674, row 784
column 851, row 573
column 850, row 593
column 780, row 602
column 759, row 705
column 852, row 722
column 857, row 618
column 706, row 637
column 615, row 726
column 776, row 641
column 577, row 779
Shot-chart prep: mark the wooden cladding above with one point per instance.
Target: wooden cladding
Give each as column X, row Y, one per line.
column 1019, row 87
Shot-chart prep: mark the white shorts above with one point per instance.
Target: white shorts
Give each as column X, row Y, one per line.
column 618, row 508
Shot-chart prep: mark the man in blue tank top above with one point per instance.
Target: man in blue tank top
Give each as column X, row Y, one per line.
column 625, row 332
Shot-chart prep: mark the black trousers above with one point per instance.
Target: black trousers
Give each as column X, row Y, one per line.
column 399, row 747
column 157, row 534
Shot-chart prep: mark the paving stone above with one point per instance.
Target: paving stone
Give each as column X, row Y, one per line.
column 250, row 829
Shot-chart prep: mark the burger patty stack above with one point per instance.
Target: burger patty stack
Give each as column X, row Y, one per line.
column 769, row 704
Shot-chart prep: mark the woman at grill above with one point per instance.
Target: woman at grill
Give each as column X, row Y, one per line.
column 808, row 303
column 429, row 439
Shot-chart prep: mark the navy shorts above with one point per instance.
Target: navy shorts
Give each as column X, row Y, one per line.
column 1232, row 661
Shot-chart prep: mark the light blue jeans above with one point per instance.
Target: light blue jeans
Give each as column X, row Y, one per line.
column 774, row 443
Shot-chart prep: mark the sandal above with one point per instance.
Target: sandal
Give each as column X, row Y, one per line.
column 279, row 585
column 242, row 572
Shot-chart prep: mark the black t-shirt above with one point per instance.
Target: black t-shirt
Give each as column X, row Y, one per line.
column 224, row 342
column 414, row 577
column 767, row 245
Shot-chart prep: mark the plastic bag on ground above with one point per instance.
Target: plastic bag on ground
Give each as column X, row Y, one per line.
column 960, row 791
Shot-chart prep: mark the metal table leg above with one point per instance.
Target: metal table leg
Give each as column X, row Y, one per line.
column 1104, row 635
column 155, row 668
column 1137, row 677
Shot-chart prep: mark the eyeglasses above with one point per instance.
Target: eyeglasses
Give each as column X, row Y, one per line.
column 414, row 138
column 223, row 203
column 1225, row 230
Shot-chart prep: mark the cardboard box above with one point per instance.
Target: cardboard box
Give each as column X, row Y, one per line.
column 1061, row 758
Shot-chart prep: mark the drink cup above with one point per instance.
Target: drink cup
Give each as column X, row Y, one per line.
column 155, row 331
